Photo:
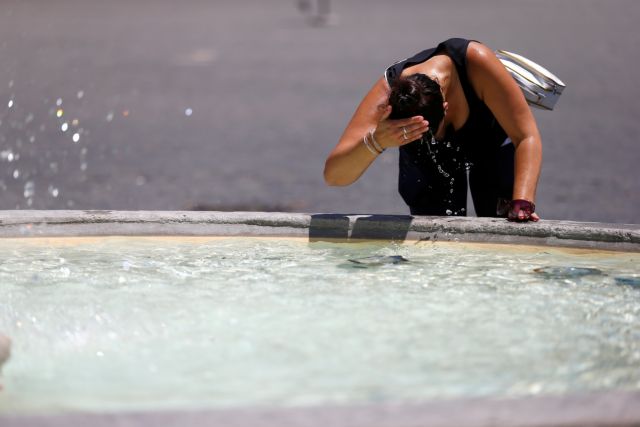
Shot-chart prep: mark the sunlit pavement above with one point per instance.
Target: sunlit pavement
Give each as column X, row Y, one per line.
column 234, row 105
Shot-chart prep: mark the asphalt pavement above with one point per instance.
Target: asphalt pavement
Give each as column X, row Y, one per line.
column 234, row 105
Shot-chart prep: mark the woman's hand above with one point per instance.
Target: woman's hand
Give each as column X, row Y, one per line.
column 523, row 216
column 352, row 156
column 522, row 211
column 518, row 210
column 395, row 133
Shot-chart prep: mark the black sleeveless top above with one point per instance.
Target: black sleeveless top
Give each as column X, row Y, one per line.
column 421, row 181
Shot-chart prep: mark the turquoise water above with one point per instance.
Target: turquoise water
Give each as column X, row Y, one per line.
column 137, row 323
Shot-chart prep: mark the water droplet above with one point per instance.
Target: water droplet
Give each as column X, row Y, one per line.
column 10, row 83
column 75, row 122
column 70, row 203
column 16, row 174
column 29, row 189
column 59, row 112
column 83, row 166
column 451, row 191
column 463, row 210
column 448, row 212
column 32, row 139
column 99, row 354
column 7, row 155
column 80, row 94
column 188, row 112
column 59, row 102
column 76, row 137
column 54, row 192
column 125, row 113
column 29, row 118
column 83, row 152
column 64, row 127
column 110, row 116
column 10, row 104
column 535, row 388
column 53, row 166
column 140, row 180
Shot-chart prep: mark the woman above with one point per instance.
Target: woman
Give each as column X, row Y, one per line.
column 449, row 109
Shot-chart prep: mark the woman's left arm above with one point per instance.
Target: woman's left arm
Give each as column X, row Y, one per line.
column 494, row 85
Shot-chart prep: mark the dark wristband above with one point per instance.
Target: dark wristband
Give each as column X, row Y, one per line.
column 517, row 205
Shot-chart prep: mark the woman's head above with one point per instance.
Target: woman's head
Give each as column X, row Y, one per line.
column 417, row 95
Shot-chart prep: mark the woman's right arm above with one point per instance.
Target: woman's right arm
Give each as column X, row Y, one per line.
column 350, row 158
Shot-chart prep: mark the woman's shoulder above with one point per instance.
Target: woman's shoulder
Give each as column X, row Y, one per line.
column 458, row 50
column 479, row 53
column 486, row 73
column 481, row 63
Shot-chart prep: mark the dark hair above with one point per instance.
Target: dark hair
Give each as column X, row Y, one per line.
column 417, row 95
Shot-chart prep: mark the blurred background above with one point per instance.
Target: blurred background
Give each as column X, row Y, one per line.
column 235, row 104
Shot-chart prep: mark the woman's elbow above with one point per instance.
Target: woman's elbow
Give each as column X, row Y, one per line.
column 332, row 178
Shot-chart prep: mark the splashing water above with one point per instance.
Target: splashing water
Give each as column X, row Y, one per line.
column 8, row 156
column 37, row 165
column 29, row 189
column 54, row 192
column 434, row 146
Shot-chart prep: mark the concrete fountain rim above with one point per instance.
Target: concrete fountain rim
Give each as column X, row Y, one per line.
column 318, row 226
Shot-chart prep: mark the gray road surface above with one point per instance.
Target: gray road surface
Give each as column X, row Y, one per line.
column 234, row 105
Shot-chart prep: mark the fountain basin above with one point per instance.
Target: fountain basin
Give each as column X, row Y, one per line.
column 419, row 300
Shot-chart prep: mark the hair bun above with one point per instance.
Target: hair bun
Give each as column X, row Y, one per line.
column 403, row 93
column 416, row 95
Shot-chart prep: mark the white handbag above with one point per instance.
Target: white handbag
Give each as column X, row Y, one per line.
column 540, row 87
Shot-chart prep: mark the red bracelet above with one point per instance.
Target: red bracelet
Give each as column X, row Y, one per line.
column 517, row 205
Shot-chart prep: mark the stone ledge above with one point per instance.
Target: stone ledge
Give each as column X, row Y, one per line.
column 322, row 226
